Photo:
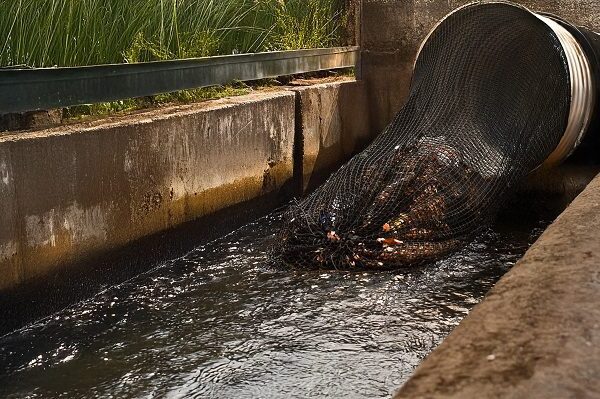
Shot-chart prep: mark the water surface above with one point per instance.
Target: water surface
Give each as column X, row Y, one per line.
column 221, row 323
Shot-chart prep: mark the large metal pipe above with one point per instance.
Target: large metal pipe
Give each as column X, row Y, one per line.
column 581, row 47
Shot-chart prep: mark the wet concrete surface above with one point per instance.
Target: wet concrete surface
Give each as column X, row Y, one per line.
column 75, row 193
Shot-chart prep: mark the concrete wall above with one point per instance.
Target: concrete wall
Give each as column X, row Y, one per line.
column 79, row 191
column 392, row 31
column 328, row 132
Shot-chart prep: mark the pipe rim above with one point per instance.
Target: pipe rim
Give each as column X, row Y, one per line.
column 582, row 94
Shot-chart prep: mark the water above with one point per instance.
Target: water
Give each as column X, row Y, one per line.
column 221, row 323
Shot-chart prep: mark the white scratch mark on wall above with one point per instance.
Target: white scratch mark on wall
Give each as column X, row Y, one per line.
column 4, row 175
column 86, row 224
column 40, row 230
column 79, row 224
column 128, row 163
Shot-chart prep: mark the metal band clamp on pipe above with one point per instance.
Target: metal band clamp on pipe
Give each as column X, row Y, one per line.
column 582, row 94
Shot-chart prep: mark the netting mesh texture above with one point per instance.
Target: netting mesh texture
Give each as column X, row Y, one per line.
column 489, row 101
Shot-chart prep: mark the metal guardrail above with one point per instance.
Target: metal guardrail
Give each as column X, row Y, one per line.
column 46, row 88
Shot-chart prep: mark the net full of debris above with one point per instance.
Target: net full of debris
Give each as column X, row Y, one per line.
column 489, row 102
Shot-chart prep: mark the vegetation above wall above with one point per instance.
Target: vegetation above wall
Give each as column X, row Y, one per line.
column 47, row 33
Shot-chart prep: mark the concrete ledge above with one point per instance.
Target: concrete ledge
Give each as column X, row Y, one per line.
column 76, row 191
column 537, row 333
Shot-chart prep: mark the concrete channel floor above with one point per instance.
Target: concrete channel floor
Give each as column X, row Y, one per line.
column 537, row 333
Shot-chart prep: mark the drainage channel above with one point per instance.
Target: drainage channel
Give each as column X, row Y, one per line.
column 220, row 322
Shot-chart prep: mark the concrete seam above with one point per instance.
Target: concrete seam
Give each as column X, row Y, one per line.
column 298, row 146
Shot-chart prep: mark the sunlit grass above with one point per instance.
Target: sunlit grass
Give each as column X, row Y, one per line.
column 45, row 33
column 179, row 97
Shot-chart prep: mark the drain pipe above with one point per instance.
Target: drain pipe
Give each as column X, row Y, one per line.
column 582, row 50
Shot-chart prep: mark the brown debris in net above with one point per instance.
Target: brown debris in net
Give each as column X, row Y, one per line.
column 417, row 211
column 406, row 254
column 332, row 236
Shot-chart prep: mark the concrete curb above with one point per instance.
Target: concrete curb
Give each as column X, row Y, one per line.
column 537, row 333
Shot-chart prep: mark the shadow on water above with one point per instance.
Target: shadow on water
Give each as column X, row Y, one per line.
column 220, row 323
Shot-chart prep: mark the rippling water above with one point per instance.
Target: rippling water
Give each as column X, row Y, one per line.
column 220, row 323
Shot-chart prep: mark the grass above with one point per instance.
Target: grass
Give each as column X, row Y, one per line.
column 46, row 33
column 132, row 104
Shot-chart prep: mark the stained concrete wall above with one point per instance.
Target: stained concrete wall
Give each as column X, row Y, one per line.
column 72, row 193
column 392, row 31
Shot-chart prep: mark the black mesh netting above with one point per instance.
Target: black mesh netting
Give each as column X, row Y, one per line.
column 489, row 102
